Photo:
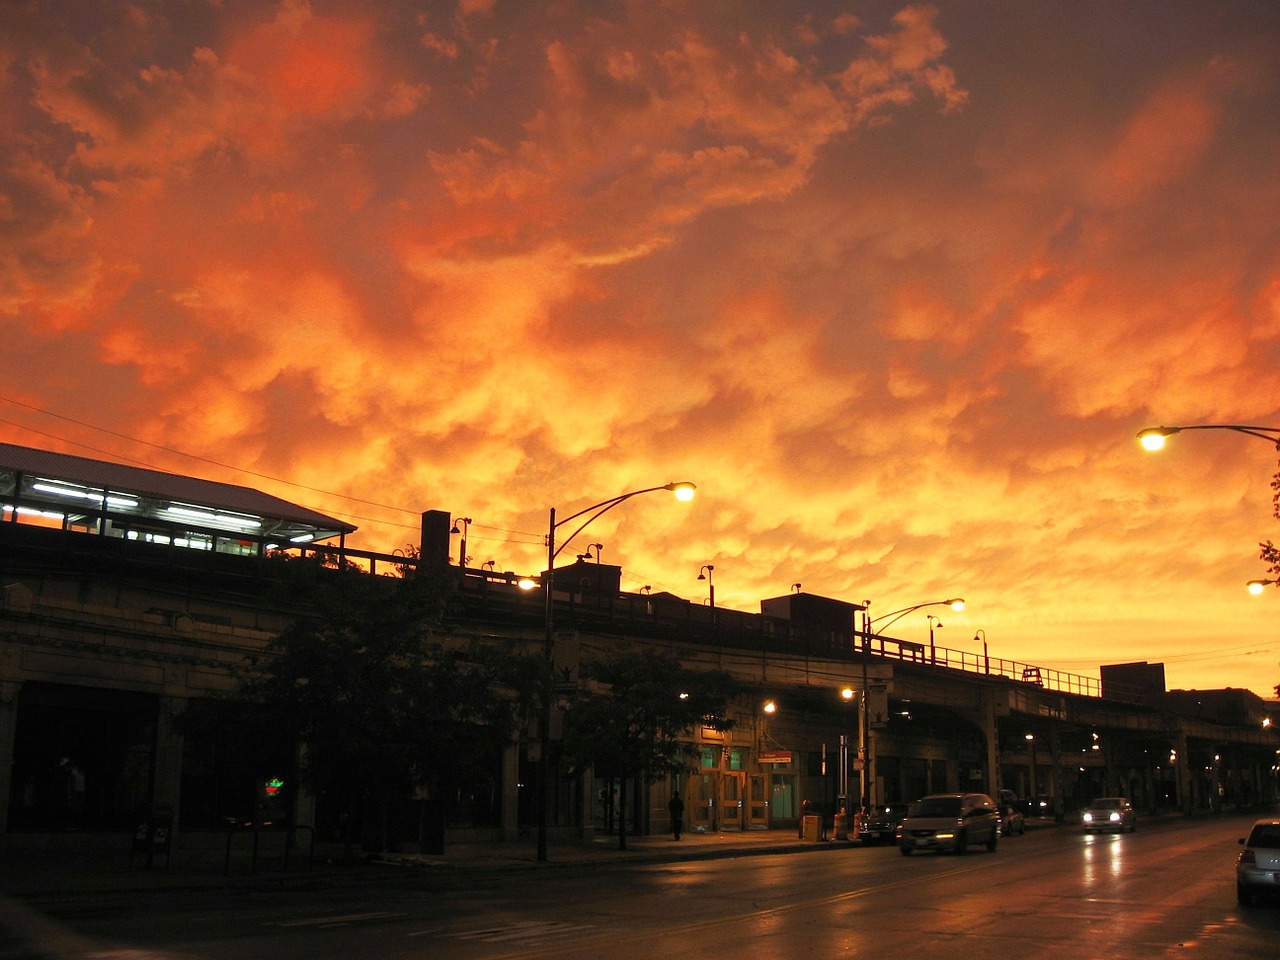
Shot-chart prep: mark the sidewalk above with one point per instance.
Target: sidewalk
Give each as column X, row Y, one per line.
column 57, row 867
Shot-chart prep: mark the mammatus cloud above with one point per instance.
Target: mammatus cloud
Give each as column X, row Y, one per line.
column 895, row 289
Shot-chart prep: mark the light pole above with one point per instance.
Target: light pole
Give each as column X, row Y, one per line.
column 955, row 603
column 933, row 621
column 462, row 553
column 867, row 778
column 683, row 490
column 705, row 574
column 1153, row 438
column 986, row 661
column 1031, row 752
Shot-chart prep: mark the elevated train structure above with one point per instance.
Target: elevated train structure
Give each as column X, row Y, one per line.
column 128, row 595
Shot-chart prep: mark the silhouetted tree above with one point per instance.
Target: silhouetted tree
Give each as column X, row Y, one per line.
column 634, row 718
column 380, row 702
column 1270, row 553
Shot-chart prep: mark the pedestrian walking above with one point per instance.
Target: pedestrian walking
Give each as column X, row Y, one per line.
column 676, row 807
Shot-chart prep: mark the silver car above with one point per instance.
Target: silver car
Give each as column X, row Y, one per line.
column 1258, row 867
column 949, row 821
column 1110, row 813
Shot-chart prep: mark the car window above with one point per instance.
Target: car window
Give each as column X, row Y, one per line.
column 1268, row 836
column 937, row 807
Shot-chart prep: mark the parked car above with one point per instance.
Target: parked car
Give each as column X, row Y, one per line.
column 1258, row 866
column 949, row 821
column 1109, row 813
column 881, row 825
column 1012, row 821
column 1037, row 806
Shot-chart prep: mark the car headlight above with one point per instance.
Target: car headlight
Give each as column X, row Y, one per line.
column 1114, row 817
column 945, row 836
column 1088, row 818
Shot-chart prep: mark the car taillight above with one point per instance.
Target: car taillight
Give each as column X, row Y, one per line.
column 1248, row 859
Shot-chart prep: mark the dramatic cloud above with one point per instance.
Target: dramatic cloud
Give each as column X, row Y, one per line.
column 894, row 283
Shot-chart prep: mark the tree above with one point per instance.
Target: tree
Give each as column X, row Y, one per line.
column 381, row 705
column 1269, row 552
column 636, row 714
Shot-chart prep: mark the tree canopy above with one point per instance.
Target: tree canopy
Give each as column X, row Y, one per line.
column 635, row 716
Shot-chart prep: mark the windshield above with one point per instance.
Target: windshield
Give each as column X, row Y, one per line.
column 936, row 807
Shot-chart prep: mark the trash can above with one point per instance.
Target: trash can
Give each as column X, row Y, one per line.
column 810, row 829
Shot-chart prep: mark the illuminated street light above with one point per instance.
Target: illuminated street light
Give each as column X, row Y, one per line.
column 683, row 490
column 1152, row 438
column 956, row 603
column 867, row 777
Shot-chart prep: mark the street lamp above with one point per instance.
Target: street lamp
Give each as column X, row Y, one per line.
column 867, row 779
column 986, row 661
column 933, row 621
column 683, row 490
column 956, row 603
column 1153, row 438
column 462, row 554
column 705, row 574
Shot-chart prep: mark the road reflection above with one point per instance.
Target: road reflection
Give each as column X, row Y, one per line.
column 1103, row 860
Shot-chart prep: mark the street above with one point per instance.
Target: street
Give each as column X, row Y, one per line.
column 1165, row 890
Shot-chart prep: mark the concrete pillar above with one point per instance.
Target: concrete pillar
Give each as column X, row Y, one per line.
column 990, row 730
column 166, row 786
column 1182, row 769
column 511, row 791
column 9, row 690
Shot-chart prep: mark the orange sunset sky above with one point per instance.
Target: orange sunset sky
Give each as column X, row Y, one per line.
column 894, row 284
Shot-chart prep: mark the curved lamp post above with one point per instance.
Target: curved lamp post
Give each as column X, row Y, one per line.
column 867, row 777
column 955, row 603
column 1153, row 438
column 683, row 490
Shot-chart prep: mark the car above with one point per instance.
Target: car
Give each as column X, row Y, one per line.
column 881, row 825
column 1258, row 866
column 1012, row 821
column 1037, row 806
column 949, row 821
column 1109, row 813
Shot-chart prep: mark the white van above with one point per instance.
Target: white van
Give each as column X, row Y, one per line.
column 950, row 821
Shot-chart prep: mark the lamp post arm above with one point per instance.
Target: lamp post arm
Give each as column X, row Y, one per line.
column 596, row 510
column 895, row 615
column 1270, row 434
